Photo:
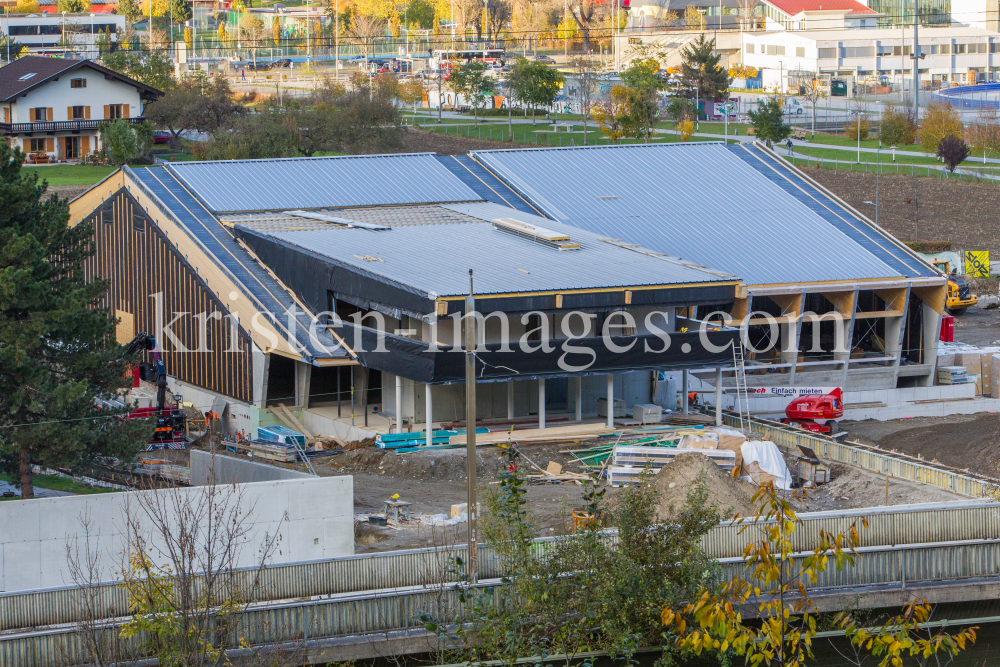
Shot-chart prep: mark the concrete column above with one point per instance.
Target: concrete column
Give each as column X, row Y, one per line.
column 611, row 400
column 718, row 396
column 303, row 377
column 541, row 403
column 429, row 412
column 684, row 392
column 579, row 399
column 399, row 404
column 510, row 399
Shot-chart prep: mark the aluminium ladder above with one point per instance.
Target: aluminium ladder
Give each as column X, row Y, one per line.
column 742, row 402
column 302, row 454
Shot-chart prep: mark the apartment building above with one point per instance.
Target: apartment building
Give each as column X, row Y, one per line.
column 59, row 33
column 56, row 107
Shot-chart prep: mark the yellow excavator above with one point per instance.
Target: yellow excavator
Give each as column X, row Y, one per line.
column 959, row 297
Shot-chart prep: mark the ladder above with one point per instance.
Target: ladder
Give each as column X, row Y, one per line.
column 742, row 403
column 302, row 455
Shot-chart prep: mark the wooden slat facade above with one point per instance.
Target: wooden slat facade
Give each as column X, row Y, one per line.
column 138, row 261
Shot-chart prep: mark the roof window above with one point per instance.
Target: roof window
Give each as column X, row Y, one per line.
column 343, row 222
column 27, row 76
column 553, row 239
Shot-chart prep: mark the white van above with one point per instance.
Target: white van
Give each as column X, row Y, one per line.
column 792, row 105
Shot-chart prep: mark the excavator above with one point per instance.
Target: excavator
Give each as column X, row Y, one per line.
column 170, row 421
column 959, row 298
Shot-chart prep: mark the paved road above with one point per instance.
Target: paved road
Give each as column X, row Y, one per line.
column 39, row 493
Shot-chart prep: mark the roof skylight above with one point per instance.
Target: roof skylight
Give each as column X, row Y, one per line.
column 553, row 239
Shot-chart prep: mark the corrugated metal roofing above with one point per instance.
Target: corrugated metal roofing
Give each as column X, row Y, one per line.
column 367, row 180
column 712, row 204
column 436, row 257
column 257, row 283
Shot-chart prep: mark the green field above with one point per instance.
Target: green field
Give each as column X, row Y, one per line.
column 70, row 174
column 888, row 169
column 885, row 159
column 58, row 483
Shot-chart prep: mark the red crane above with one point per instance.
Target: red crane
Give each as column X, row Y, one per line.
column 816, row 412
column 170, row 421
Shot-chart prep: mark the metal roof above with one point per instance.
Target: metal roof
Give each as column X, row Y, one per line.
column 290, row 183
column 730, row 207
column 430, row 249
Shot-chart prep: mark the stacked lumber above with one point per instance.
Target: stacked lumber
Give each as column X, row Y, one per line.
column 317, row 441
column 576, row 432
column 403, row 442
column 678, row 419
column 554, row 474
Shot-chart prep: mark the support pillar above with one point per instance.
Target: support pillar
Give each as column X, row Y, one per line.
column 541, row 403
column 718, row 396
column 429, row 412
column 510, row 400
column 684, row 392
column 579, row 399
column 611, row 400
column 399, row 404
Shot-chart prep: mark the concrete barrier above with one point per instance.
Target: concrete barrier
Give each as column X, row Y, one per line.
column 233, row 470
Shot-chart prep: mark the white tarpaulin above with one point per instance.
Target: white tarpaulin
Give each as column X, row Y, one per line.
column 768, row 458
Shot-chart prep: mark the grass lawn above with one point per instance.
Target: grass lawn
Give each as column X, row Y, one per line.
column 885, row 159
column 542, row 135
column 70, row 174
column 887, row 169
column 57, row 483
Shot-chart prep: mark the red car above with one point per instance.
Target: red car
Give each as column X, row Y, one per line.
column 161, row 137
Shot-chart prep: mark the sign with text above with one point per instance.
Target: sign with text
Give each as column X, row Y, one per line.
column 977, row 263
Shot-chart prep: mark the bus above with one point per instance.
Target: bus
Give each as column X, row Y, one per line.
column 452, row 58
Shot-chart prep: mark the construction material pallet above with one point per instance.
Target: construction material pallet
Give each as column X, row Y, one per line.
column 627, row 455
column 631, row 474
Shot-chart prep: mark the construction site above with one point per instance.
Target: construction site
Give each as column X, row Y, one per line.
column 352, row 338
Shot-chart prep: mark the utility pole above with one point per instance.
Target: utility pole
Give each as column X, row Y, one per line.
column 470, row 422
column 565, row 27
column 336, row 42
column 916, row 63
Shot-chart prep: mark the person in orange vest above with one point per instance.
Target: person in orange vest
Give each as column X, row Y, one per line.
column 692, row 399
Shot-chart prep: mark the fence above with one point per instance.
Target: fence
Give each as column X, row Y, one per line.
column 990, row 174
column 876, row 461
column 372, row 614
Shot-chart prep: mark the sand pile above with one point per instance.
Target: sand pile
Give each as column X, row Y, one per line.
column 856, row 488
column 678, row 477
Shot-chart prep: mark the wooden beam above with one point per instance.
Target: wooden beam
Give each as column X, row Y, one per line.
column 878, row 313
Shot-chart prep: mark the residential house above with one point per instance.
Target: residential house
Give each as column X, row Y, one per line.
column 56, row 107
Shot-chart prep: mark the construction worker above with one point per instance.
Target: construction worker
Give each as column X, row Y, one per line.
column 692, row 399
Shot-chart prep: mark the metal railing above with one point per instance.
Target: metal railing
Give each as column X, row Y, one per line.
column 873, row 460
column 61, row 125
column 397, row 610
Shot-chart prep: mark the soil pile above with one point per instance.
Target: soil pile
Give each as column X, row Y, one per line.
column 444, row 464
column 856, row 488
column 681, row 475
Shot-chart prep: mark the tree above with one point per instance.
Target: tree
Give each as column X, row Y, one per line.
column 276, row 31
column 189, row 38
column 259, row 136
column 73, row 6
column 411, row 92
column 859, row 126
column 26, row 7
column 685, row 128
column 776, row 596
column 364, row 30
column 679, row 108
column 701, row 73
column 222, row 35
column 643, row 79
column 254, row 33
column 692, row 17
column 983, row 134
column 197, row 103
column 421, row 14
column 940, row 120
column 182, row 11
column 15, row 48
column 474, row 82
column 612, row 116
column 953, row 150
column 895, row 127
column 153, row 69
column 586, row 86
column 768, row 121
column 124, row 142
column 58, row 353
column 542, row 85
column 129, row 9
column 813, row 94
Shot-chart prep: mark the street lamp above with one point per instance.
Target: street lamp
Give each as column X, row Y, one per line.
column 565, row 27
column 93, row 44
column 64, row 33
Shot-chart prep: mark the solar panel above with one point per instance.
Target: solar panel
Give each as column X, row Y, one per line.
column 324, row 182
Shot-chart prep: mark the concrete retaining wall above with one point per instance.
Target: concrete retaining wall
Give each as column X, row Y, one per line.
column 315, row 518
column 233, row 470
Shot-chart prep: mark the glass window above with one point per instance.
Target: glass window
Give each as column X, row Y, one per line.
column 749, row 48
column 800, row 52
column 77, row 113
column 37, row 145
column 945, row 49
column 116, row 111
column 51, row 29
column 41, row 113
column 77, row 83
column 961, row 48
column 828, row 53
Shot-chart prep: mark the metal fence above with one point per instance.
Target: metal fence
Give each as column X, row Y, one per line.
column 398, row 610
column 875, row 461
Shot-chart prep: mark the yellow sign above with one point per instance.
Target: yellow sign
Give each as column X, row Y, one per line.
column 977, row 263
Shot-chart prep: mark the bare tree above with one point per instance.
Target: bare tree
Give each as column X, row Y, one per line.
column 747, row 10
column 814, row 93
column 365, row 30
column 586, row 85
column 254, row 32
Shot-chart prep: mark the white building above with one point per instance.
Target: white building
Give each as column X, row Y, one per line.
column 57, row 106
column 57, row 32
column 959, row 55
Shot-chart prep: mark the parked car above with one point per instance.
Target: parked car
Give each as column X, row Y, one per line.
column 258, row 67
column 544, row 59
column 281, row 62
column 161, row 137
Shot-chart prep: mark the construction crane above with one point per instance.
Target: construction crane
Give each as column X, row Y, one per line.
column 170, row 422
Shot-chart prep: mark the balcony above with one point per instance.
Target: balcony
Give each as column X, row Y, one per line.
column 51, row 127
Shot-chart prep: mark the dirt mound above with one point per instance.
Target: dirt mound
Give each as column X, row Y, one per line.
column 443, row 464
column 855, row 488
column 678, row 477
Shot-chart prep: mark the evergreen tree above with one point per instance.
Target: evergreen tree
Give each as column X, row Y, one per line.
column 768, row 121
column 182, row 11
column 129, row 9
column 701, row 71
column 73, row 6
column 58, row 353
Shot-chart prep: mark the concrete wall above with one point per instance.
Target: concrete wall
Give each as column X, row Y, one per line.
column 233, row 470
column 34, row 533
